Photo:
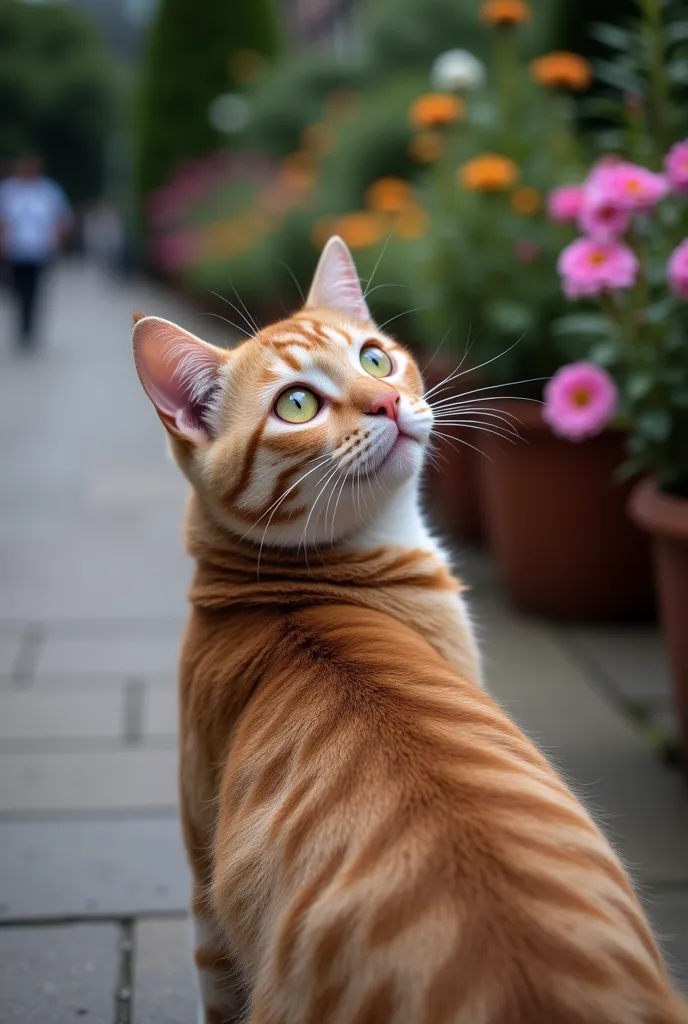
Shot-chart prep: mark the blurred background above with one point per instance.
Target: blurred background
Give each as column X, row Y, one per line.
column 189, row 158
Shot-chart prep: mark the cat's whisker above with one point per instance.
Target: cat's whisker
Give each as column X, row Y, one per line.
column 366, row 293
column 490, row 387
column 295, row 280
column 474, row 425
column 317, row 458
column 474, row 369
column 237, row 327
column 472, row 410
column 460, row 440
column 478, row 418
column 332, row 473
column 248, row 317
column 406, row 312
column 253, row 328
column 336, row 506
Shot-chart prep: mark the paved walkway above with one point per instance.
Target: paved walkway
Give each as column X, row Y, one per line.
column 93, row 883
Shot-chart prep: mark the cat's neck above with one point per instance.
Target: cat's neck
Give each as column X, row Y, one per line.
column 398, row 522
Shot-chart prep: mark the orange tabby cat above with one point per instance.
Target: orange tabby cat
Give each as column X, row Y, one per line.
column 372, row 840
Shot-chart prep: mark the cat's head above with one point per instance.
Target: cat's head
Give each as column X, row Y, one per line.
column 301, row 433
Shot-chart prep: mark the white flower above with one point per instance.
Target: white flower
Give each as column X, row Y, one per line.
column 229, row 113
column 455, row 70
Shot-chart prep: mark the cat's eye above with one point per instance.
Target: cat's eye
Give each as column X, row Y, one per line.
column 297, row 405
column 376, row 362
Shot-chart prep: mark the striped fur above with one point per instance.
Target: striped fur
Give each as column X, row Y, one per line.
column 372, row 840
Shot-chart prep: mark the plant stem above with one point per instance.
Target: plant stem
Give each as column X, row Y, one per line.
column 659, row 83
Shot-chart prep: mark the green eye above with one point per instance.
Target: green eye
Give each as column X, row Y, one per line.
column 376, row 362
column 297, row 405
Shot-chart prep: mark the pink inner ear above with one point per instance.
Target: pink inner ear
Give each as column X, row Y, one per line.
column 181, row 376
column 336, row 284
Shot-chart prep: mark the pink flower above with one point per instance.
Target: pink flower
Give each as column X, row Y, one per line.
column 676, row 164
column 564, row 204
column 626, row 186
column 580, row 400
column 677, row 270
column 588, row 267
column 602, row 220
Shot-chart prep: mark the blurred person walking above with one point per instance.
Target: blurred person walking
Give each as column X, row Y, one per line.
column 35, row 218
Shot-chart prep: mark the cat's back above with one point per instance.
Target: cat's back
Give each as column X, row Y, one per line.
column 390, row 849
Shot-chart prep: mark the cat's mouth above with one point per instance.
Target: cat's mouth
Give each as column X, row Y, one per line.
column 398, row 451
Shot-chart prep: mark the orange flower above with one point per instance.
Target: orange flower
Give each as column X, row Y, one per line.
column 489, row 172
column 389, row 195
column 426, row 147
column 435, row 109
column 296, row 171
column 562, row 70
column 360, row 230
column 318, row 138
column 525, row 200
column 506, row 12
column 411, row 222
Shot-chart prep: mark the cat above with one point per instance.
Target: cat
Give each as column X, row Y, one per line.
column 372, row 840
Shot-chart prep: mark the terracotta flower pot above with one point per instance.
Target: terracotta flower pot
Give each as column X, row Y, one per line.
column 665, row 518
column 558, row 526
column 453, row 471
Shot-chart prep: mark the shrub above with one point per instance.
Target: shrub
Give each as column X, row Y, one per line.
column 188, row 63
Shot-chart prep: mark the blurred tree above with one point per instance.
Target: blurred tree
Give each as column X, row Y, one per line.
column 191, row 59
column 57, row 93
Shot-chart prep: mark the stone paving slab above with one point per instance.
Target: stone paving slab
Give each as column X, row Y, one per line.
column 31, row 714
column 58, row 975
column 631, row 659
column 135, row 656
column 164, row 980
column 67, row 781
column 641, row 804
column 121, row 868
column 84, row 682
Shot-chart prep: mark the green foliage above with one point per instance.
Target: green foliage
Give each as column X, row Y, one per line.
column 57, row 92
column 373, row 144
column 290, row 97
column 187, row 65
column 408, row 34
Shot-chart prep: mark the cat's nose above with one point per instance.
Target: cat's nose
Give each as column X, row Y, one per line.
column 386, row 404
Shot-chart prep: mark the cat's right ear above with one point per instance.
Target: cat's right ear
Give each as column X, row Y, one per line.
column 183, row 377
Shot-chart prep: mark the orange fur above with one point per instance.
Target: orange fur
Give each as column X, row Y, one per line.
column 372, row 840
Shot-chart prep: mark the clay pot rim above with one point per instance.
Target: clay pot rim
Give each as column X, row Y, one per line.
column 659, row 513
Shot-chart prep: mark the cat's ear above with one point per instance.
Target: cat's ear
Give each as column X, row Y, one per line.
column 182, row 376
column 336, row 284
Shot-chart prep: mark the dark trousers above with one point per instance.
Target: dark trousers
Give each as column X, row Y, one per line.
column 25, row 282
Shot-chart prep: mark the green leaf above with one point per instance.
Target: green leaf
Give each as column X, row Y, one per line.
column 613, row 36
column 581, row 323
column 630, row 468
column 511, row 317
column 677, row 72
column 676, row 33
column 654, row 425
column 618, row 75
column 660, row 311
column 639, row 384
column 605, row 353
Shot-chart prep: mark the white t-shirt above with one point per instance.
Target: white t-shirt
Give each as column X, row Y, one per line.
column 31, row 211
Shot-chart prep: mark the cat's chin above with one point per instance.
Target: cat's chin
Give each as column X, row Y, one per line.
column 403, row 460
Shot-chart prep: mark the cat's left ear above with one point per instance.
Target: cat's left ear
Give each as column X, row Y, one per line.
column 183, row 377
column 336, row 284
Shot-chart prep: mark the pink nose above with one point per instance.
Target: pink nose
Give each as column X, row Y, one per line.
column 386, row 404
